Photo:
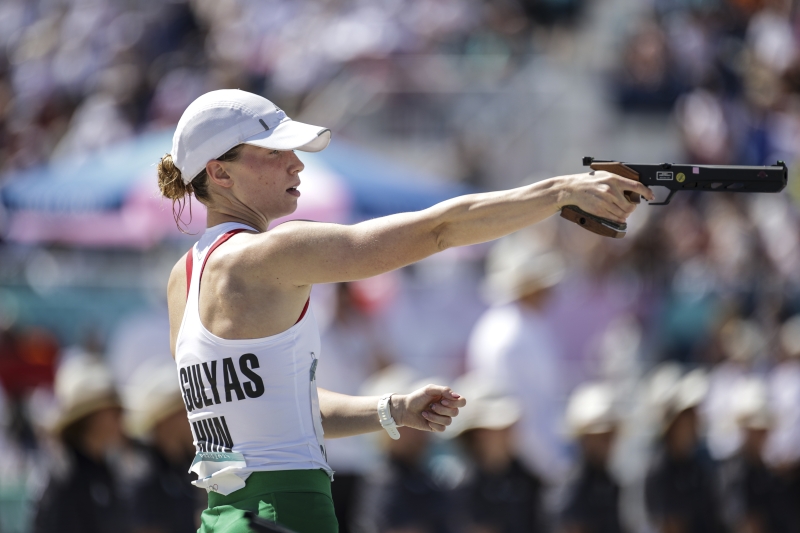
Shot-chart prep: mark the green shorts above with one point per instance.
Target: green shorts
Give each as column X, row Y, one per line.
column 297, row 499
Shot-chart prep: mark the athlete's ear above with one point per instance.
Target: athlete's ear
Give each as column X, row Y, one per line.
column 217, row 173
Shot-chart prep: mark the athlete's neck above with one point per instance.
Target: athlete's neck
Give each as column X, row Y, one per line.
column 216, row 218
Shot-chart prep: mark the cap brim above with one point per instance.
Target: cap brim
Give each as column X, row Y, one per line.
column 292, row 135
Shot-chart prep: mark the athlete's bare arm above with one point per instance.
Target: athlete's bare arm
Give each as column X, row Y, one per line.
column 430, row 408
column 256, row 285
column 306, row 252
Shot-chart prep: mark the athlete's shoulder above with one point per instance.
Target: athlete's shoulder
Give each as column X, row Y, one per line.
column 283, row 236
column 293, row 227
column 178, row 274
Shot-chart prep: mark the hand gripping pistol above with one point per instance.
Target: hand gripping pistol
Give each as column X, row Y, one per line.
column 712, row 178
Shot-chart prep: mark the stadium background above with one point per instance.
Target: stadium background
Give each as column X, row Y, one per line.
column 427, row 99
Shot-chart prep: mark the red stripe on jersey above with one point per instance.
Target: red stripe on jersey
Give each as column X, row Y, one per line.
column 189, row 264
column 305, row 308
column 190, row 258
column 216, row 245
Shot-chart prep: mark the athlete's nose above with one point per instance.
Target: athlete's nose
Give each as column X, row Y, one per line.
column 295, row 165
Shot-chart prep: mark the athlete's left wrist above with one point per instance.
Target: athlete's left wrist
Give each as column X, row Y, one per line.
column 397, row 404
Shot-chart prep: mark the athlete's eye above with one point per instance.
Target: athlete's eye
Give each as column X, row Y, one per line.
column 275, row 152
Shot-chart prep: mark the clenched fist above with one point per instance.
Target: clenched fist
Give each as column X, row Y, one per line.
column 430, row 408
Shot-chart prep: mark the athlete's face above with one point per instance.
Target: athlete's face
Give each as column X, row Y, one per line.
column 266, row 180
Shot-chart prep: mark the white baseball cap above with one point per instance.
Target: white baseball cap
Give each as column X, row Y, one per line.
column 219, row 120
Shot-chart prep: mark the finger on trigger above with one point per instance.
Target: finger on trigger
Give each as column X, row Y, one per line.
column 645, row 191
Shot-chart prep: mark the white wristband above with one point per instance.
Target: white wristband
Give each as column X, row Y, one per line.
column 385, row 416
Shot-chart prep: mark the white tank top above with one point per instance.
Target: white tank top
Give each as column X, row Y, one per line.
column 252, row 404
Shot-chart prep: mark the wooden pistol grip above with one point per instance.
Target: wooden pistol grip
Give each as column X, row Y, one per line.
column 620, row 169
column 593, row 223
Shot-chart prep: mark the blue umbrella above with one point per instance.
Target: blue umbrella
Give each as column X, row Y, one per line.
column 97, row 182
column 103, row 181
column 382, row 187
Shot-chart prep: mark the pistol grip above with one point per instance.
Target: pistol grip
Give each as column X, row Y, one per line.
column 595, row 224
column 620, row 169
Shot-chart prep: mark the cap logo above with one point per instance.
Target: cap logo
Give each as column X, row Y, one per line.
column 261, row 120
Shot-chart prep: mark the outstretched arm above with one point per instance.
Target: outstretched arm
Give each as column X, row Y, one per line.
column 303, row 253
column 430, row 408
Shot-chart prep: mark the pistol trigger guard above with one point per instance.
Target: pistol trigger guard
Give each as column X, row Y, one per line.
column 666, row 201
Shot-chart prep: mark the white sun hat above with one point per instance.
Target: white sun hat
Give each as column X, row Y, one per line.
column 515, row 268
column 591, row 410
column 488, row 407
column 742, row 340
column 751, row 404
column 83, row 385
column 790, row 336
column 152, row 395
column 219, row 120
column 687, row 393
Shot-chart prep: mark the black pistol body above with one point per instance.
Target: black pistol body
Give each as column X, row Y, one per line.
column 720, row 178
column 678, row 177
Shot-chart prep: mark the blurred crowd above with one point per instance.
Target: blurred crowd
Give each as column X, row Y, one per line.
column 730, row 70
column 648, row 384
column 620, row 440
column 78, row 75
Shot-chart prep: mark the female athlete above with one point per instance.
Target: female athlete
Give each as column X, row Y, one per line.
column 245, row 342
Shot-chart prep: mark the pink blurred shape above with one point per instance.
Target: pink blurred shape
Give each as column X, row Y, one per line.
column 146, row 219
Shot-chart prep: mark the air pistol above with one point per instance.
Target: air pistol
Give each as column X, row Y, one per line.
column 714, row 178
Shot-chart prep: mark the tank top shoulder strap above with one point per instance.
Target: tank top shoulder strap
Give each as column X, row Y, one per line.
column 190, row 257
column 203, row 259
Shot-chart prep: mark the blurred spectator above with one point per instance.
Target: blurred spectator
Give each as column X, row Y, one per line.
column 681, row 487
column 553, row 11
column 704, row 127
column 512, row 347
column 646, row 81
column 76, row 75
column 403, row 496
column 759, row 500
column 592, row 497
column 783, row 445
column 351, row 355
column 741, row 342
column 27, row 361
column 163, row 500
column 500, row 494
column 82, row 495
column 433, row 308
